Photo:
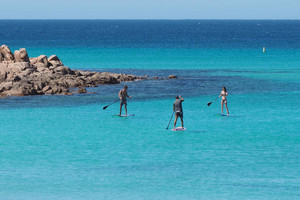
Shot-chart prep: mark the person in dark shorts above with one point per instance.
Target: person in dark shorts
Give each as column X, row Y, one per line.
column 177, row 108
column 123, row 99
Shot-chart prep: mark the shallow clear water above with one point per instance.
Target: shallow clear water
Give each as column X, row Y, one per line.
column 68, row 147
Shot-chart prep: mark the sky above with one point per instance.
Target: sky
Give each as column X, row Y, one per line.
column 150, row 9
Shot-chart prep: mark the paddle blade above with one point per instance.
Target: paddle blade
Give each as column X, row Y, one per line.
column 209, row 103
column 105, row 107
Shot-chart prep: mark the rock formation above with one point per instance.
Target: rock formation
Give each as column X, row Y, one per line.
column 21, row 56
column 6, row 54
column 21, row 75
column 172, row 77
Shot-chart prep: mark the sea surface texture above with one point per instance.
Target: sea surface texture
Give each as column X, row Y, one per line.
column 68, row 147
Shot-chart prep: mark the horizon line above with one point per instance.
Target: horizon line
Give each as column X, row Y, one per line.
column 151, row 19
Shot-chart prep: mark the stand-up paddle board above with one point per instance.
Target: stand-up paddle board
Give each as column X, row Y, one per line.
column 223, row 115
column 130, row 115
column 179, row 129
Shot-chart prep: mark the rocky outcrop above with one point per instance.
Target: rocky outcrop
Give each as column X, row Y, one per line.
column 81, row 90
column 22, row 76
column 6, row 54
column 55, row 61
column 172, row 77
column 21, row 56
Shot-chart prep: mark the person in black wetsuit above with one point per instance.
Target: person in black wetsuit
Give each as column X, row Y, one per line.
column 177, row 108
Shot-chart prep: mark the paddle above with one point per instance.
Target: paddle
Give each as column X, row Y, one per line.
column 208, row 104
column 110, row 104
column 170, row 120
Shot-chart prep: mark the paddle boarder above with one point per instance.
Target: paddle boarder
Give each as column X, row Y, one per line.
column 177, row 108
column 123, row 99
column 224, row 94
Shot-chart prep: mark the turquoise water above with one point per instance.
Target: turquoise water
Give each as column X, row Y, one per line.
column 170, row 58
column 68, row 147
column 82, row 152
column 276, row 64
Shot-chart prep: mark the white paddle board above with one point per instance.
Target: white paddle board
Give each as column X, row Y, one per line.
column 223, row 115
column 129, row 115
column 179, row 129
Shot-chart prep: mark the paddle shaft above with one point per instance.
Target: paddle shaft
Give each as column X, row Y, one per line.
column 215, row 99
column 170, row 120
column 212, row 101
column 110, row 104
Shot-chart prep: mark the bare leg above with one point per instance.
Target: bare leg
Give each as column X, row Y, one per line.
column 226, row 107
column 181, row 122
column 222, row 105
column 175, row 121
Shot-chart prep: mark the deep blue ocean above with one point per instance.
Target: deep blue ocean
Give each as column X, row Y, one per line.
column 68, row 147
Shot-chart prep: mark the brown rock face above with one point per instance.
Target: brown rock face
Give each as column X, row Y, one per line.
column 172, row 77
column 21, row 56
column 81, row 90
column 21, row 76
column 17, row 55
column 55, row 61
column 1, row 56
column 43, row 60
column 24, row 56
column 6, row 53
column 62, row 70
